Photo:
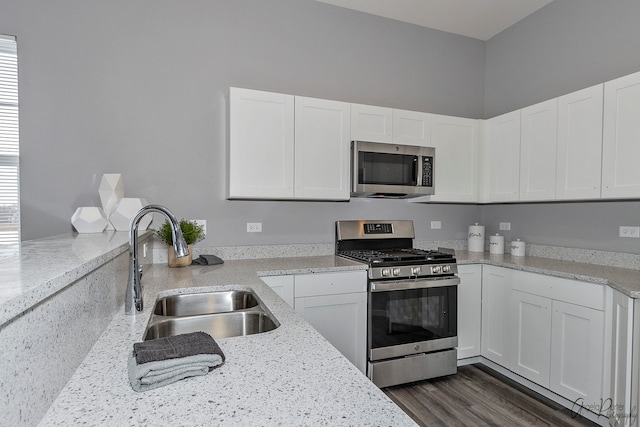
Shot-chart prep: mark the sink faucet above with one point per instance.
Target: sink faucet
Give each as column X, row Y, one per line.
column 133, row 296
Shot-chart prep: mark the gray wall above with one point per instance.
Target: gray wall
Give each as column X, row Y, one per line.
column 565, row 46
column 140, row 88
column 593, row 225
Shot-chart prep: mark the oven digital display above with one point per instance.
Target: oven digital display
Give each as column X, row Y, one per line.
column 379, row 228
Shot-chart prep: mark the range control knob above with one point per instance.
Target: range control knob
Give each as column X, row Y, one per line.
column 446, row 268
column 415, row 271
column 385, row 272
column 436, row 269
column 396, row 271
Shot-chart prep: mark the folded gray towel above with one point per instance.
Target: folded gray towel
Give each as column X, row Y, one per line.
column 176, row 346
column 207, row 260
column 147, row 376
column 163, row 361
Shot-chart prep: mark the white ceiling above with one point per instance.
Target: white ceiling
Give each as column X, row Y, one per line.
column 480, row 19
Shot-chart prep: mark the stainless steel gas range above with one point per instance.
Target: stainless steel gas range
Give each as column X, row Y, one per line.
column 412, row 301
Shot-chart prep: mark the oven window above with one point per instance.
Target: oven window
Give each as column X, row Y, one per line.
column 408, row 316
column 387, row 169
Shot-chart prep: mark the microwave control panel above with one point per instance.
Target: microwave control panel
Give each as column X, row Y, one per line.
column 427, row 171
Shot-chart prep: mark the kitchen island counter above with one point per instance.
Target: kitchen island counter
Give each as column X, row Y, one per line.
column 288, row 376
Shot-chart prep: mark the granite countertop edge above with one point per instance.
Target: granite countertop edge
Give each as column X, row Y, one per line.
column 624, row 280
column 304, row 380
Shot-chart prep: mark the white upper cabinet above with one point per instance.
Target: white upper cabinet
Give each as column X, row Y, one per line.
column 322, row 131
column 502, row 157
column 371, row 123
column 287, row 147
column 621, row 138
column 457, row 158
column 579, row 161
column 538, row 146
column 411, row 128
column 261, row 150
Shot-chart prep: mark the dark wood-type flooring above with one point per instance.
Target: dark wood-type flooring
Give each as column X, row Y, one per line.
column 478, row 396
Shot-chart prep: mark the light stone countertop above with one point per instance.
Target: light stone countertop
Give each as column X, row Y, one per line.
column 625, row 280
column 45, row 266
column 288, row 376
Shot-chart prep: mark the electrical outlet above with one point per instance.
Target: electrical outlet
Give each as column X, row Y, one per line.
column 254, row 227
column 436, row 225
column 203, row 223
column 629, row 231
column 505, row 226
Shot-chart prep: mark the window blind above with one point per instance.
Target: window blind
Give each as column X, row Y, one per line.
column 9, row 143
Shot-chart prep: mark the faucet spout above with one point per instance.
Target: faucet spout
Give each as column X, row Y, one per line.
column 133, row 297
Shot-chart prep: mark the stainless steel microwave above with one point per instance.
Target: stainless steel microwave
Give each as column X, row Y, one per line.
column 391, row 170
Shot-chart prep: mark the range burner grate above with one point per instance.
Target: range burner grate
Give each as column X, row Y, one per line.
column 395, row 255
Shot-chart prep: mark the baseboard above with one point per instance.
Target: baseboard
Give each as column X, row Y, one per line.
column 534, row 390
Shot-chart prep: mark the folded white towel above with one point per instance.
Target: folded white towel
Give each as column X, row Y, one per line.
column 150, row 375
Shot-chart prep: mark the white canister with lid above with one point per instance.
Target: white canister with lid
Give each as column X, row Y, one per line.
column 517, row 247
column 496, row 244
column 475, row 241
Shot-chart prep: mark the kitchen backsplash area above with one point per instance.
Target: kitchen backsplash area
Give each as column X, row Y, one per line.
column 589, row 256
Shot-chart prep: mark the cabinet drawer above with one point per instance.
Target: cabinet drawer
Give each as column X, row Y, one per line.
column 330, row 283
column 572, row 291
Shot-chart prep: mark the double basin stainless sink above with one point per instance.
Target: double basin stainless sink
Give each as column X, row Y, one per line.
column 221, row 314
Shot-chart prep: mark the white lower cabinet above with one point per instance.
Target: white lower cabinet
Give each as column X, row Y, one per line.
column 531, row 336
column 551, row 331
column 469, row 310
column 496, row 294
column 335, row 304
column 621, row 349
column 283, row 286
column 577, row 345
column 342, row 320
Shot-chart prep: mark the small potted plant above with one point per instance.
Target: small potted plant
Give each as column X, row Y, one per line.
column 192, row 233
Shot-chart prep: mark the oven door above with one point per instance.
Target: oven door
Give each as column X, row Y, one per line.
column 412, row 316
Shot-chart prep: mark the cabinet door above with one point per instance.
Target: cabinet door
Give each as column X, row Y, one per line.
column 620, row 314
column 411, row 128
column 577, row 341
column 342, row 320
column 538, row 138
column 261, row 144
column 282, row 285
column 322, row 131
column 469, row 310
column 502, row 157
column 579, row 165
column 456, row 160
column 371, row 123
column 621, row 133
column 531, row 339
column 496, row 295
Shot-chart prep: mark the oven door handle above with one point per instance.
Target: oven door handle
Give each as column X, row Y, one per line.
column 400, row 285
